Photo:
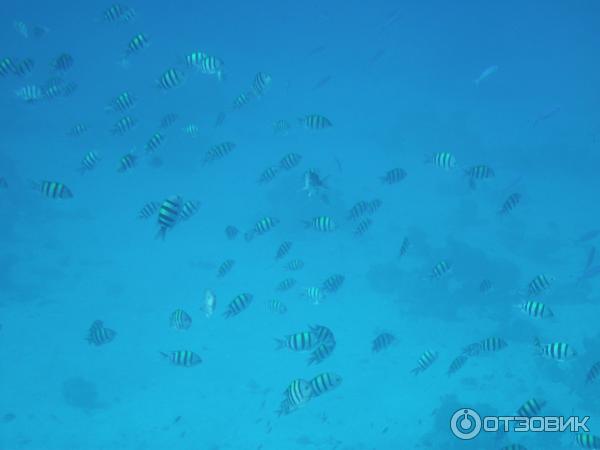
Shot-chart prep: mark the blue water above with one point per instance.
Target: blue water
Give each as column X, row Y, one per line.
column 397, row 82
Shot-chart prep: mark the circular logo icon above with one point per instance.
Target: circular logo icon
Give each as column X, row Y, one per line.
column 465, row 424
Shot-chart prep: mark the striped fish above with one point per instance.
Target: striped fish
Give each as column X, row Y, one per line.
column 358, row 209
column 115, row 13
column 322, row 333
column 325, row 382
column 52, row 189
column 231, row 232
column 485, row 286
column 183, row 358
column 477, row 173
column 268, row 174
column 333, row 283
column 218, row 151
column 123, row 102
column 195, row 58
column 261, row 227
column 425, row 361
column 261, row 83
column 211, row 65
column 315, row 294
column 242, row 100
column 62, row 62
column 6, row 66
column 297, row 394
column 362, row 227
column 539, row 285
column 488, row 345
column 89, row 161
column 276, row 306
column 537, row 309
column 593, row 373
column 123, row 125
column 127, row 162
column 558, row 351
column 171, row 78
column 168, row 120
column 283, row 249
column 238, row 304
column 77, row 130
column 321, row 223
column 315, row 122
column 154, row 142
column 510, row 203
column 189, row 209
column 322, row 351
column 382, row 341
column 530, row 408
column 138, row 42
column 303, row 341
column 443, row 160
column 404, row 247
column 24, row 67
column 440, row 269
column 457, row 364
column 225, row 267
column 180, row 320
column 30, row 94
column 168, row 215
column 585, row 440
column 286, row 284
column 148, row 210
column 294, row 264
column 99, row 335
column 394, row 176
column 191, row 130
column 281, row 127
column 290, row 160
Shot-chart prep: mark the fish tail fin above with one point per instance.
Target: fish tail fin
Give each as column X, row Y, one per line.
column 161, row 234
column 280, row 343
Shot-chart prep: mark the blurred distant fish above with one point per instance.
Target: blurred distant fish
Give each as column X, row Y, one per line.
column 155, row 142
column 477, row 173
column 189, row 209
column 363, row 226
column 242, row 100
column 282, row 127
column 333, row 283
column 485, row 74
column 21, row 28
column 425, row 361
column 168, row 120
column 378, row 55
column 170, row 78
column 225, row 267
column 391, row 19
column 231, row 232
column 510, row 203
column 382, row 341
column 440, row 269
column 99, row 335
column 77, row 130
column 294, row 264
column 539, row 284
column 220, row 119
column 487, row 345
column 218, row 151
column 585, row 237
column 40, row 31
column 7, row 66
column 283, row 249
column 457, row 364
column 238, row 304
column 168, row 215
column 194, row 59
column 261, row 227
column 537, row 309
column 325, row 382
column 315, row 294
column 546, row 115
column 261, row 83
column 394, row 176
column 148, row 210
column 123, row 125
column 118, row 13
column 286, row 284
column 210, row 303
column 485, row 286
column 127, row 162
column 322, row 82
column 276, row 306
column 89, row 161
column 404, row 247
column 180, row 320
column 24, row 67
column 315, row 122
column 290, row 160
column 191, row 130
column 184, row 358
column 317, row 50
column 137, row 43
column 444, row 160
column 321, row 223
column 52, row 189
column 123, row 102
column 211, row 65
column 593, row 374
column 30, row 93
column 62, row 62
column 268, row 174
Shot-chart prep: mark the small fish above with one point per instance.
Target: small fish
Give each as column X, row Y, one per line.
column 325, row 382
column 148, row 210
column 537, row 309
column 557, row 351
column 510, row 203
column 297, row 394
column 283, row 249
column 189, row 209
column 183, row 358
column 382, row 341
column 321, row 223
column 286, row 284
column 211, row 65
column 303, row 341
column 315, row 122
column 136, row 44
column 171, row 78
column 231, row 232
column 30, row 94
column 539, row 285
column 123, row 102
column 585, row 237
column 225, row 267
column 123, row 125
column 425, row 361
column 359, row 209
column 242, row 100
column 77, row 130
column 261, row 83
column 180, row 320
column 52, row 189
column 62, row 62
column 394, row 176
column 322, row 351
column 268, row 174
column 6, row 66
column 210, row 303
column 315, row 294
column 154, row 142
column 485, row 74
column 333, row 283
column 281, row 127
column 24, row 67
column 485, row 286
column 440, row 269
column 478, row 173
column 261, row 227
column 99, row 335
column 444, row 160
column 276, row 306
column 89, row 161
column 593, row 373
column 191, row 130
column 195, row 58
column 546, row 115
column 116, row 13
column 362, row 227
column 491, row 344
column 294, row 264
column 530, row 408
column 218, row 151
column 127, row 162
column 168, row 120
column 290, row 160
column 168, row 215
column 220, row 119
column 457, row 364
column 404, row 247
column 238, row 304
